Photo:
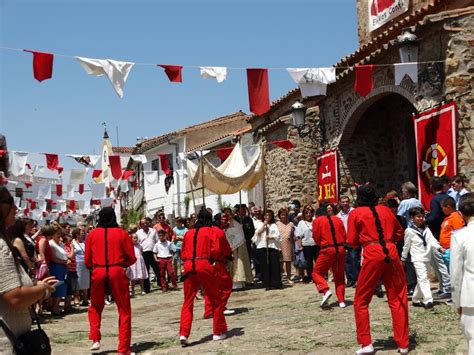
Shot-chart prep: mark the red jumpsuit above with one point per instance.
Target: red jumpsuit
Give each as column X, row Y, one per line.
column 120, row 255
column 361, row 230
column 332, row 254
column 224, row 280
column 199, row 272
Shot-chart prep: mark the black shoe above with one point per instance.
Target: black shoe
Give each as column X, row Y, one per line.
column 417, row 304
column 379, row 292
column 429, row 305
column 350, row 283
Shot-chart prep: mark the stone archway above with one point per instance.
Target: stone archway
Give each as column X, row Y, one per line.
column 378, row 142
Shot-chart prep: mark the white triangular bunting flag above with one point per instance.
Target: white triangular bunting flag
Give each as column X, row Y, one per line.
column 402, row 69
column 116, row 71
column 312, row 81
column 18, row 163
column 77, row 176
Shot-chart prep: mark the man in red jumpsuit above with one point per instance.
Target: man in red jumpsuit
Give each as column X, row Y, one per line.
column 329, row 235
column 224, row 280
column 198, row 252
column 375, row 228
column 109, row 250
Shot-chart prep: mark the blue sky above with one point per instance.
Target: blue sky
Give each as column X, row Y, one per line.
column 64, row 114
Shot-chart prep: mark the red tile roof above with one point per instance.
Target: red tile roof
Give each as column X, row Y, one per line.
column 123, row 150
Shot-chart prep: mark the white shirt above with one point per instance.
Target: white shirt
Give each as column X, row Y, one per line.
column 261, row 241
column 163, row 249
column 462, row 266
column 414, row 244
column 147, row 239
column 304, row 231
column 344, row 216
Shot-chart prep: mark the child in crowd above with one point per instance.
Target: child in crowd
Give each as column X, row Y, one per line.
column 137, row 272
column 451, row 222
column 71, row 277
column 179, row 232
column 419, row 242
column 163, row 256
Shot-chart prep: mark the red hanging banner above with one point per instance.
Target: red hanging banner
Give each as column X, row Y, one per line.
column 223, row 153
column 42, row 65
column 328, row 177
column 115, row 166
column 173, row 72
column 81, row 188
column 96, row 173
column 59, row 190
column 259, row 96
column 165, row 164
column 436, row 155
column 363, row 79
column 127, row 174
column 52, row 161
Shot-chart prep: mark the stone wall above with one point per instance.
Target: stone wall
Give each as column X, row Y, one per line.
column 459, row 69
column 291, row 174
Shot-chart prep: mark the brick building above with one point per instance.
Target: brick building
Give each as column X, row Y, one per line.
column 375, row 133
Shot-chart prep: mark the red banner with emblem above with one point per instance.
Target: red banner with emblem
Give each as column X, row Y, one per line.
column 436, row 155
column 328, row 179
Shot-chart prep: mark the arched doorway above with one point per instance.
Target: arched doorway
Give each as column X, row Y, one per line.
column 381, row 145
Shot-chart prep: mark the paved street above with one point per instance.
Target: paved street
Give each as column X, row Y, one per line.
column 288, row 320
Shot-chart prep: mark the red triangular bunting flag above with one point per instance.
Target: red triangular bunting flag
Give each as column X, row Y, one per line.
column 33, row 205
column 115, row 166
column 223, row 153
column 81, row 188
column 127, row 174
column 284, row 144
column 165, row 165
column 59, row 190
column 42, row 65
column 173, row 72
column 52, row 161
column 259, row 97
column 27, row 185
column 72, row 205
column 60, row 169
column 363, row 79
column 96, row 173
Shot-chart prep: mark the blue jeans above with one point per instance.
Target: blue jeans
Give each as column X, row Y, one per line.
column 353, row 264
column 447, row 258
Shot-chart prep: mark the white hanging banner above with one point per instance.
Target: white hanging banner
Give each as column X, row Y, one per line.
column 77, row 176
column 84, row 207
column 116, row 71
column 98, row 191
column 141, row 158
column 18, row 163
column 69, row 192
column 402, row 69
column 313, row 81
column 218, row 73
column 88, row 161
column 62, row 207
column 41, row 205
column 41, row 192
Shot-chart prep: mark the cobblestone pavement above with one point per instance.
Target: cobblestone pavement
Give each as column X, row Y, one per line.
column 288, row 320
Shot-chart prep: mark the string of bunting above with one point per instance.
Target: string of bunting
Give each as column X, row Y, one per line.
column 311, row 81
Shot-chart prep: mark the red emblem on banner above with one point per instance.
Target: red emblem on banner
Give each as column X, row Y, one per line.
column 435, row 134
column 328, row 178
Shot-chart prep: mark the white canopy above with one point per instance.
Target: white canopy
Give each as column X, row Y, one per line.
column 240, row 171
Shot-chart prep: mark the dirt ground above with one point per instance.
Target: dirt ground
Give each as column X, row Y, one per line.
column 288, row 320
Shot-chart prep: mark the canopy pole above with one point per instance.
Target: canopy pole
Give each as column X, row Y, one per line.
column 192, row 195
column 202, row 180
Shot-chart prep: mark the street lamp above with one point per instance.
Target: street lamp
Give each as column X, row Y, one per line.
column 298, row 116
column 408, row 46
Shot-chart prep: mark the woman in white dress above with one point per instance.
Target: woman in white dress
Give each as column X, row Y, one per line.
column 83, row 273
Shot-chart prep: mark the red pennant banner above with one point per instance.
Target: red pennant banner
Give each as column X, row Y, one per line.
column 42, row 65
column 223, row 153
column 95, row 202
column 52, row 161
column 33, row 205
column 60, row 170
column 27, row 185
column 165, row 164
column 81, row 188
column 328, row 177
column 173, row 72
column 259, row 96
column 436, row 155
column 115, row 166
column 59, row 190
column 284, row 144
column 26, row 211
column 127, row 174
column 96, row 173
column 363, row 79
column 72, row 205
